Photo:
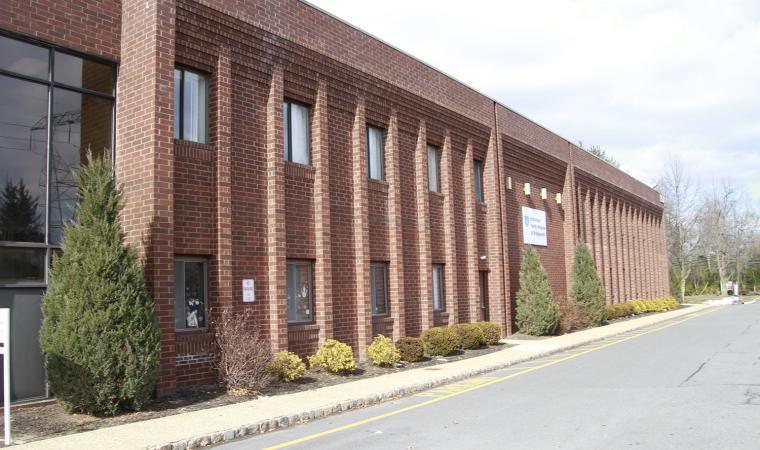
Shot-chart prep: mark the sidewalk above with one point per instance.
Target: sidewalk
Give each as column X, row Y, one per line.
column 200, row 428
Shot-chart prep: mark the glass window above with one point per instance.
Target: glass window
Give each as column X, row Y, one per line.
column 434, row 168
column 379, row 287
column 191, row 110
column 23, row 58
column 438, row 301
column 484, row 295
column 83, row 73
column 22, row 265
column 190, row 280
column 23, row 160
column 296, row 117
column 375, row 154
column 478, row 169
column 81, row 123
column 300, row 299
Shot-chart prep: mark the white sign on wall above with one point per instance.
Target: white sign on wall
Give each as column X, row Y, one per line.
column 249, row 295
column 534, row 226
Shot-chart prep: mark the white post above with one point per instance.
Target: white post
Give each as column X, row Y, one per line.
column 5, row 339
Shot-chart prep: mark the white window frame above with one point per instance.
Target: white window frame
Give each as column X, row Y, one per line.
column 287, row 115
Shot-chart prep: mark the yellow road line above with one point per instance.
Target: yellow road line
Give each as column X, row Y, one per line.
column 479, row 386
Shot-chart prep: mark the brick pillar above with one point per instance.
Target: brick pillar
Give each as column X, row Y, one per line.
column 627, row 246
column 221, row 271
column 395, row 228
column 145, row 158
column 619, row 262
column 651, row 292
column 499, row 301
column 664, row 263
column 471, row 236
column 596, row 227
column 423, row 230
column 569, row 224
column 320, row 151
column 276, row 241
column 606, row 248
column 361, row 232
column 638, row 284
column 588, row 234
column 449, row 233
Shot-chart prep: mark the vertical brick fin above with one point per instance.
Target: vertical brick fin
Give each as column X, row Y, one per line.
column 471, row 236
column 323, row 267
column 605, row 239
column 395, row 227
column 361, row 231
column 636, row 244
column 647, row 254
column 596, row 229
column 618, row 255
column 222, row 268
column 145, row 157
column 423, row 229
column 588, row 235
column 631, row 272
column 664, row 268
column 499, row 303
column 276, row 238
column 449, row 233
column 569, row 225
column 651, row 257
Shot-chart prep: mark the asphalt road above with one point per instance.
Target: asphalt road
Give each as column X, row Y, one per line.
column 691, row 383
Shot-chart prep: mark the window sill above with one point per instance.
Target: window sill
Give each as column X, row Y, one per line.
column 306, row 326
column 298, row 170
column 193, row 150
column 377, row 185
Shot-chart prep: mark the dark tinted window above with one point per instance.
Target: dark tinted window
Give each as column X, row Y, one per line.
column 24, row 58
column 22, row 265
column 81, row 123
column 83, row 73
column 23, row 160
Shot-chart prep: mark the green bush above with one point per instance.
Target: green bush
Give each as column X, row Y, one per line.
column 334, row 356
column 440, row 341
column 287, row 366
column 411, row 349
column 537, row 312
column 382, row 352
column 99, row 333
column 491, row 331
column 470, row 335
column 587, row 290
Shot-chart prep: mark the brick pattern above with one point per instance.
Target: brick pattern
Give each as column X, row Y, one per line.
column 449, row 232
column 424, row 264
column 472, row 254
column 395, row 228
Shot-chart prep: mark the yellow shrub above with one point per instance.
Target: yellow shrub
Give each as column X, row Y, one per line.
column 286, row 366
column 491, row 331
column 334, row 356
column 382, row 352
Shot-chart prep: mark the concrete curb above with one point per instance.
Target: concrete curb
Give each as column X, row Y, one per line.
column 305, row 416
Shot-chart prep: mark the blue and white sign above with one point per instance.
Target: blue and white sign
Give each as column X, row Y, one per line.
column 534, row 226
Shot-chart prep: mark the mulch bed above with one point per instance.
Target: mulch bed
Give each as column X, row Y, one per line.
column 49, row 420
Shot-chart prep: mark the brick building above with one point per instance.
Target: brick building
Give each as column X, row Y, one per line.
column 361, row 190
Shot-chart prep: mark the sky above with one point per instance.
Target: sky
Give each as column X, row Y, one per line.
column 643, row 79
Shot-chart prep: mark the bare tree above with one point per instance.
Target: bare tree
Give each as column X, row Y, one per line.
column 680, row 195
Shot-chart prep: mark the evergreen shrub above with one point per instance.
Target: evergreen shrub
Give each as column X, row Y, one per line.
column 382, row 352
column 537, row 312
column 99, row 334
column 587, row 290
column 411, row 349
column 440, row 341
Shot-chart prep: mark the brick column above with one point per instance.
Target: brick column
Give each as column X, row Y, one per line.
column 627, row 246
column 499, row 302
column 651, row 291
column 618, row 242
column 569, row 224
column 145, row 158
column 221, row 276
column 320, row 153
column 605, row 239
column 471, row 236
column 361, row 232
column 588, row 234
column 423, row 229
column 637, row 262
column 395, row 228
column 449, row 233
column 277, row 298
column 597, row 230
column 664, row 263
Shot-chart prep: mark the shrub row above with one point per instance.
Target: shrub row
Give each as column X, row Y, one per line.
column 639, row 307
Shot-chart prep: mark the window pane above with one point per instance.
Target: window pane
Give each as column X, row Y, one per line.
column 179, row 295
column 299, row 292
column 375, row 153
column 23, row 160
column 285, row 128
column 299, row 133
column 177, row 104
column 194, row 126
column 83, row 73
column 379, row 289
column 478, row 181
column 22, row 265
column 195, row 294
column 81, row 123
column 433, row 179
column 24, row 58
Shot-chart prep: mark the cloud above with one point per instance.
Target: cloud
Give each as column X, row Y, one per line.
column 640, row 78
